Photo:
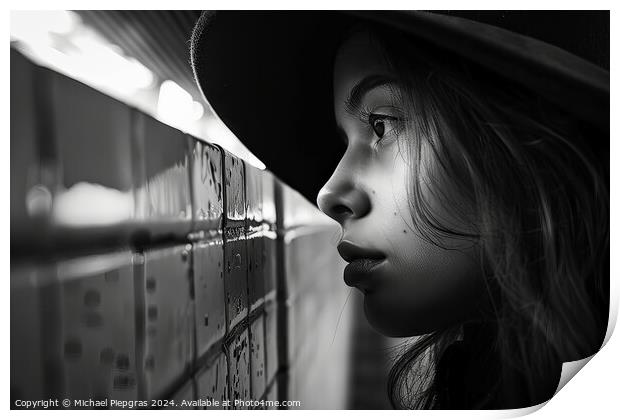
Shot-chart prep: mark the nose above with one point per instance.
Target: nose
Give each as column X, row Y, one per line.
column 342, row 200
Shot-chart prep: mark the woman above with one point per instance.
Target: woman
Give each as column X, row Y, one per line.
column 496, row 240
column 475, row 217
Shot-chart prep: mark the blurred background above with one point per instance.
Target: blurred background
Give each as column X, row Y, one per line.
column 152, row 254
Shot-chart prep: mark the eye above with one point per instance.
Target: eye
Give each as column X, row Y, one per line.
column 378, row 123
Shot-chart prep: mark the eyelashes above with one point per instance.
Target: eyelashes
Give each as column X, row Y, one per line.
column 382, row 125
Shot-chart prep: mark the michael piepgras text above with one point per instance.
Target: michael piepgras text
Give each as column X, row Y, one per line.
column 153, row 404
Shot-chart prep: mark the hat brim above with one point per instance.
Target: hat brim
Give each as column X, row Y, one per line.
column 268, row 76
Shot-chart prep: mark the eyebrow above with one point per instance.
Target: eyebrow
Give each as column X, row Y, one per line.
column 359, row 91
column 356, row 96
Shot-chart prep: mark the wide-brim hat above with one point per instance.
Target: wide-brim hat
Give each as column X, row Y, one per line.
column 268, row 74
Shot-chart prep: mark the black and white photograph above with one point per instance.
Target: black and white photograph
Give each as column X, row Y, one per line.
column 310, row 209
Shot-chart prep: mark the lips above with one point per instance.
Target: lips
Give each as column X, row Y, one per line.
column 362, row 263
column 351, row 252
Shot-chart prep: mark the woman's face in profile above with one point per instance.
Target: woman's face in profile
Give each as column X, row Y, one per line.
column 411, row 286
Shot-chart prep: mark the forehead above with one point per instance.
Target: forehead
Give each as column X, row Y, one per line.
column 358, row 57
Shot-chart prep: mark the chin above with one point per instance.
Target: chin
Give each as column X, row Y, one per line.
column 396, row 322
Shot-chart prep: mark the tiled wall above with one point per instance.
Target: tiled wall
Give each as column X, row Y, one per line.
column 146, row 263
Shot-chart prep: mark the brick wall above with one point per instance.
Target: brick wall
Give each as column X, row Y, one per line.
column 147, row 264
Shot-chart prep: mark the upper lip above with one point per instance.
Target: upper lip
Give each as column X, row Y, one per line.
column 351, row 252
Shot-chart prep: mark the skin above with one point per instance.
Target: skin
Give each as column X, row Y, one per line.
column 419, row 287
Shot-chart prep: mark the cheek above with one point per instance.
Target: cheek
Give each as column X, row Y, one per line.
column 429, row 275
column 424, row 287
column 389, row 173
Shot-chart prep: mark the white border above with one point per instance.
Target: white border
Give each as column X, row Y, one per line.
column 591, row 394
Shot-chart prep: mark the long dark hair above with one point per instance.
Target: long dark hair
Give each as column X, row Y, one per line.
column 537, row 181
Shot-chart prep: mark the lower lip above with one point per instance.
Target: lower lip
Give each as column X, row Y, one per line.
column 357, row 273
